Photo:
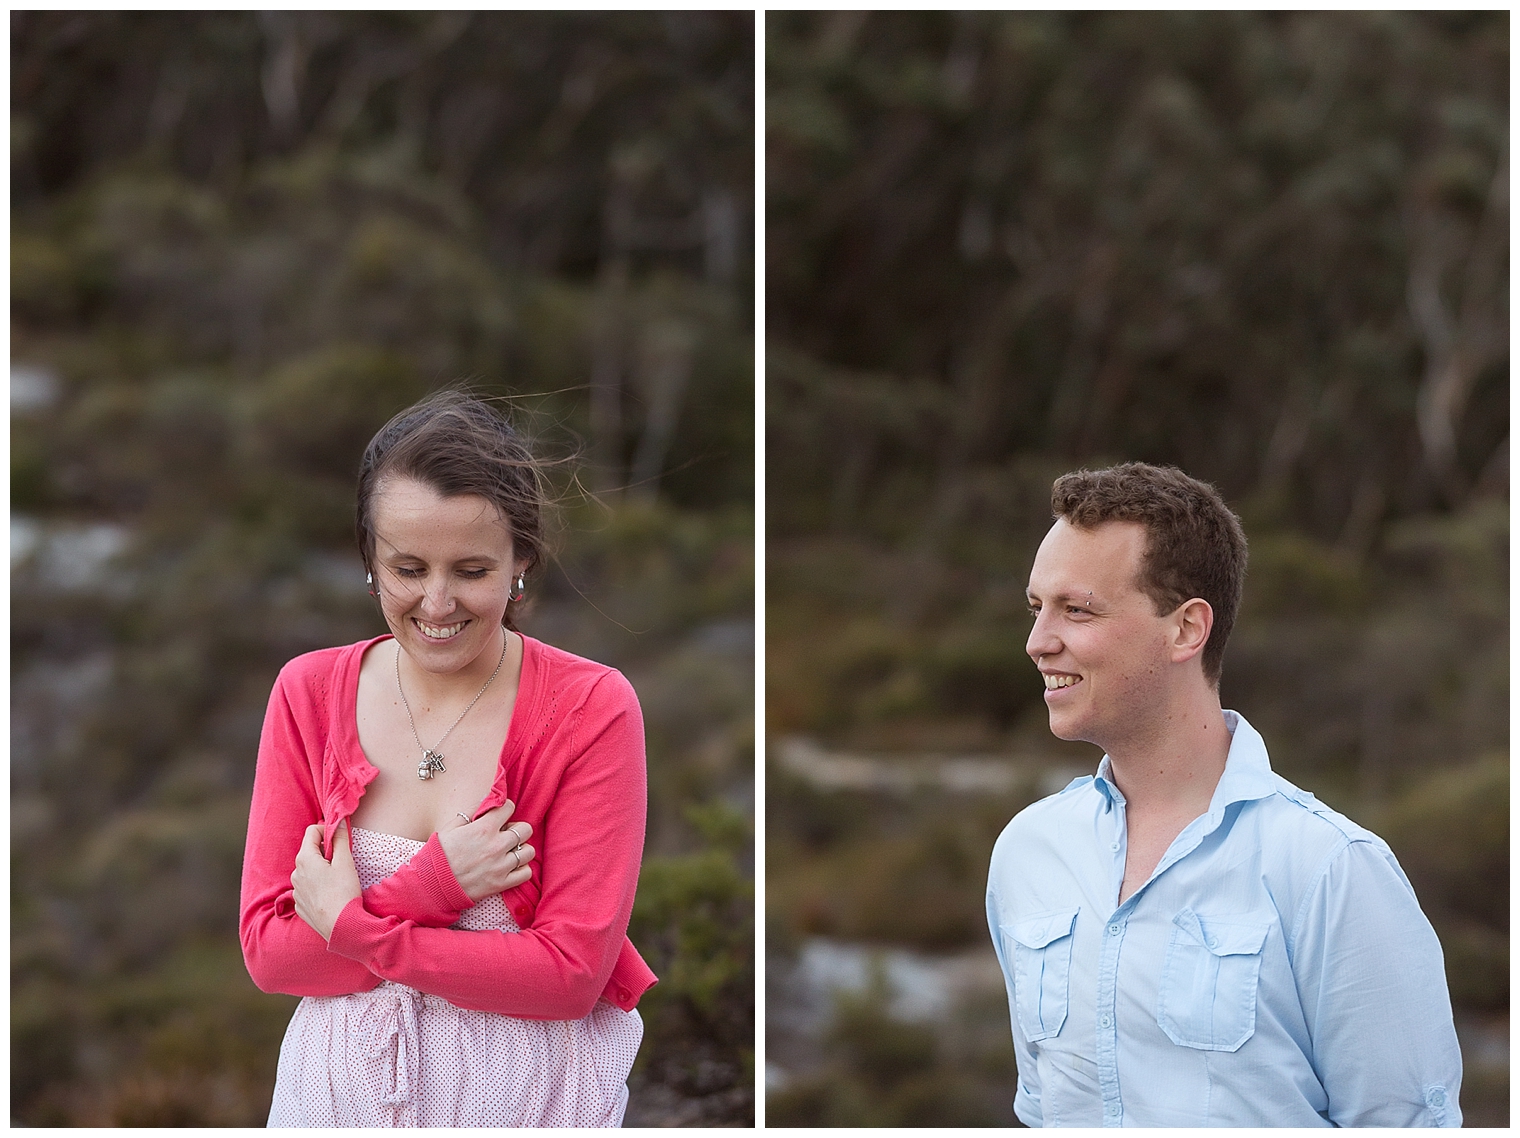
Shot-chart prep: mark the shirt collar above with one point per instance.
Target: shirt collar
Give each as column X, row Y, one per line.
column 1247, row 771
column 1104, row 781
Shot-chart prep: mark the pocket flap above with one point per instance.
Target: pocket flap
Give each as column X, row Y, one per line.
column 1225, row 936
column 1042, row 928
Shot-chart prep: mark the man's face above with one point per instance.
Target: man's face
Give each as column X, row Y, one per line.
column 1099, row 645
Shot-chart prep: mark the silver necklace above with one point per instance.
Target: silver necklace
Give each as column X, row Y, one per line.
column 432, row 758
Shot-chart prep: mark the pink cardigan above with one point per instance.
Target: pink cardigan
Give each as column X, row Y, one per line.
column 573, row 763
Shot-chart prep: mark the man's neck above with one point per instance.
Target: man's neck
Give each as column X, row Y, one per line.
column 1173, row 768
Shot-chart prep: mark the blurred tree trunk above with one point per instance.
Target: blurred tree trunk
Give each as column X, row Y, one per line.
column 608, row 340
column 663, row 372
column 284, row 72
column 720, row 236
column 1465, row 335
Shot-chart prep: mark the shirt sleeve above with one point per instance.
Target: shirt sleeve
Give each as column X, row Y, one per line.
column 1026, row 1099
column 1373, row 988
column 589, row 852
column 282, row 952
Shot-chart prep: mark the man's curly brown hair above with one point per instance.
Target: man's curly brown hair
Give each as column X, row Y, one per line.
column 1194, row 544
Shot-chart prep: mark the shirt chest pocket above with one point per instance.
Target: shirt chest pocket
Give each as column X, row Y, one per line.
column 1041, row 949
column 1209, row 980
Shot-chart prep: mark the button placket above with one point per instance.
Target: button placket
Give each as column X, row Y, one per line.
column 1107, row 1025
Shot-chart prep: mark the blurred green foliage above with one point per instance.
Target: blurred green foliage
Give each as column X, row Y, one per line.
column 1270, row 248
column 885, row 1071
column 241, row 242
column 1451, row 833
column 851, row 861
column 695, row 918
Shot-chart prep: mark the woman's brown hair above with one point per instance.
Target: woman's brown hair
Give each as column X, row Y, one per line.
column 458, row 444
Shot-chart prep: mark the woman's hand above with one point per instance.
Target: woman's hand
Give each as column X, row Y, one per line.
column 487, row 855
column 324, row 887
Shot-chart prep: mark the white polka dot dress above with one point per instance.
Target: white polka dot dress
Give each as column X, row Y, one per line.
column 395, row 1056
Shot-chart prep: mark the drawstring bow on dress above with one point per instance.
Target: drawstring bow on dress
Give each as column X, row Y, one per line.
column 396, row 1047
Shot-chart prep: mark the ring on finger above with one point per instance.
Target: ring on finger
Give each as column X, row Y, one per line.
column 516, row 858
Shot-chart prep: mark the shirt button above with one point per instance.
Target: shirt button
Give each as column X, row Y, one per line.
column 1106, row 1021
column 1113, row 930
column 1114, row 847
column 1213, row 942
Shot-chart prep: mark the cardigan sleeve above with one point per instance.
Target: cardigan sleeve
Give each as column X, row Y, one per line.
column 424, row 890
column 589, row 852
column 282, row 952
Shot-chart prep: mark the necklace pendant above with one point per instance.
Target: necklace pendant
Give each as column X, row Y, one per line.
column 431, row 761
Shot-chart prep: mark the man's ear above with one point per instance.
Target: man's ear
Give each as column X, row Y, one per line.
column 1191, row 624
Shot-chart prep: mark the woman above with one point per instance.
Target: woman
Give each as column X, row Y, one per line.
column 454, row 974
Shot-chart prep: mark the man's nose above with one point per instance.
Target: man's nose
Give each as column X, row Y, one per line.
column 1042, row 640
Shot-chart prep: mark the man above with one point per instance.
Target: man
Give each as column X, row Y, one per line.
column 1187, row 938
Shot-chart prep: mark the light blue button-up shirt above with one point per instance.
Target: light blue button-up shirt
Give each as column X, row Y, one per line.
column 1275, row 970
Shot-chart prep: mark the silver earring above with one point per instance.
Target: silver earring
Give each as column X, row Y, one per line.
column 517, row 590
column 369, row 582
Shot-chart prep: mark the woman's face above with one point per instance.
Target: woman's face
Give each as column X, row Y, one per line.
column 444, row 567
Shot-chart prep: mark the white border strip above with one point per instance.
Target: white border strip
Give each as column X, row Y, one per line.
column 760, row 732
